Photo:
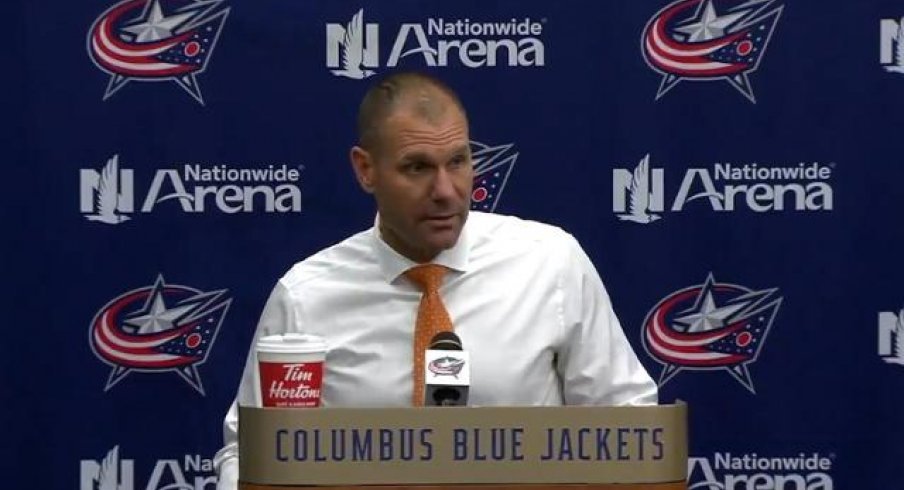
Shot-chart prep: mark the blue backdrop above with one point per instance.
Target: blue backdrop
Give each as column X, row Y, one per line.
column 731, row 167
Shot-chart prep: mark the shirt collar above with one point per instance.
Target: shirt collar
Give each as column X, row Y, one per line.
column 393, row 264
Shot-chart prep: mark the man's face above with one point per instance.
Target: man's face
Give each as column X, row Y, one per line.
column 421, row 177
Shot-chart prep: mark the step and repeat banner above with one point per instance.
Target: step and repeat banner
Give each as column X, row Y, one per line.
column 732, row 167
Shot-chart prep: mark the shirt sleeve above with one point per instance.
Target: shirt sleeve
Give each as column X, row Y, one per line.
column 596, row 362
column 279, row 316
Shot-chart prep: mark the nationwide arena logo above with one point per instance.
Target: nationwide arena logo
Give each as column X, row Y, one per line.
column 891, row 337
column 706, row 40
column 638, row 194
column 353, row 48
column 158, row 328
column 113, row 472
column 109, row 195
column 492, row 167
column 710, row 326
column 156, row 41
column 891, row 45
column 728, row 471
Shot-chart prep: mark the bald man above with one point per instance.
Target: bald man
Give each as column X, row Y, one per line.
column 524, row 298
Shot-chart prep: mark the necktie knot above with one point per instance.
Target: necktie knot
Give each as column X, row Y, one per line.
column 428, row 277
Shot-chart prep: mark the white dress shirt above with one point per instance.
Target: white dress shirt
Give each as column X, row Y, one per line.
column 523, row 296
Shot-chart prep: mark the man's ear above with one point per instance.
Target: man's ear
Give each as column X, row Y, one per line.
column 363, row 164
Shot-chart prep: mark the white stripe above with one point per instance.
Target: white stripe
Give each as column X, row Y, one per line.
column 131, row 357
column 132, row 66
column 685, row 66
column 698, row 356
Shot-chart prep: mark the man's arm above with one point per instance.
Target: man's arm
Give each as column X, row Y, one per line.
column 279, row 316
column 596, row 362
column 226, row 460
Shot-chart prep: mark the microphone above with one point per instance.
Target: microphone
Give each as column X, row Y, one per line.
column 447, row 372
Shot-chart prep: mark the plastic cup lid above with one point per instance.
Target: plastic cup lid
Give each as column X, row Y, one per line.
column 300, row 343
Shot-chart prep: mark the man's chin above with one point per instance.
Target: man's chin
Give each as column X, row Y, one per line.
column 442, row 235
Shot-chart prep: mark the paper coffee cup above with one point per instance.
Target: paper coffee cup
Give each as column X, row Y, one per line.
column 290, row 368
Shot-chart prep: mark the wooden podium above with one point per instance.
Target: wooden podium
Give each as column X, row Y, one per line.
column 467, row 448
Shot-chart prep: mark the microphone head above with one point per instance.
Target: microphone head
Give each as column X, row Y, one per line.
column 447, row 372
column 445, row 341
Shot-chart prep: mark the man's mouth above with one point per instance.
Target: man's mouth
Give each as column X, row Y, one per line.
column 441, row 218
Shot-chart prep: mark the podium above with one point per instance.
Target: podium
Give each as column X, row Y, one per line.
column 464, row 448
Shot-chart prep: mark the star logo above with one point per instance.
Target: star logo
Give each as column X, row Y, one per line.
column 158, row 328
column 140, row 40
column 707, row 25
column 705, row 315
column 154, row 26
column 694, row 40
column 711, row 326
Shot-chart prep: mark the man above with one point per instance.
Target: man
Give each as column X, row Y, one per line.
column 523, row 297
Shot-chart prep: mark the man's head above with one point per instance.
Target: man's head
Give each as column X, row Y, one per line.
column 414, row 156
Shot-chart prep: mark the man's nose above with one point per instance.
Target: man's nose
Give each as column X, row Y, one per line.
column 443, row 185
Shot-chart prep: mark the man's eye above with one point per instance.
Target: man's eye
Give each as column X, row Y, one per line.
column 415, row 167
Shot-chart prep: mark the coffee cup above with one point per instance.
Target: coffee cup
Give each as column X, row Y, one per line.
column 290, row 368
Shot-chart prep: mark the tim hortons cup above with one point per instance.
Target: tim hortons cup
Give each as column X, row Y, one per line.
column 290, row 370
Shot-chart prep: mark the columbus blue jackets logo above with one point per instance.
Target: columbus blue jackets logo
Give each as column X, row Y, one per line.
column 705, row 40
column 159, row 328
column 446, row 366
column 156, row 41
column 710, row 326
column 492, row 166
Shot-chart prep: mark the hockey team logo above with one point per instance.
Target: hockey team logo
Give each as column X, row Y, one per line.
column 710, row 326
column 891, row 337
column 446, row 366
column 353, row 48
column 492, row 167
column 109, row 195
column 706, row 40
column 117, row 473
column 158, row 328
column 639, row 194
column 891, row 45
column 156, row 41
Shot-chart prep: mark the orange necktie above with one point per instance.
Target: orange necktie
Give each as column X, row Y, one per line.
column 432, row 318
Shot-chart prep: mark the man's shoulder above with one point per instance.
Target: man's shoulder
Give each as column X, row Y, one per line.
column 352, row 254
column 498, row 229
